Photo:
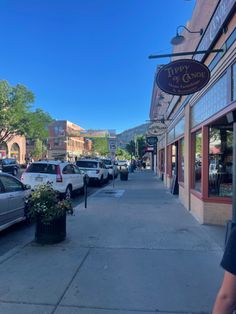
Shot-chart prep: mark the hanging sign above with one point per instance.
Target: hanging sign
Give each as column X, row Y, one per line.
column 152, row 140
column 149, row 149
column 157, row 128
column 183, row 77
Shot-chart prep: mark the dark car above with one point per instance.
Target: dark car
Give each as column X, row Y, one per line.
column 9, row 165
column 13, row 200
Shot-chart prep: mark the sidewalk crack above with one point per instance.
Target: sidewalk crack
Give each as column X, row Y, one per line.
column 73, row 277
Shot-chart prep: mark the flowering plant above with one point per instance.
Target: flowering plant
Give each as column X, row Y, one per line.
column 45, row 204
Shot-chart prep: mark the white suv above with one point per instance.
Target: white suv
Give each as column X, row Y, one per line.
column 95, row 169
column 64, row 176
column 112, row 167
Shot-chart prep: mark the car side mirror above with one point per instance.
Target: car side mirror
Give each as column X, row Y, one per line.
column 27, row 187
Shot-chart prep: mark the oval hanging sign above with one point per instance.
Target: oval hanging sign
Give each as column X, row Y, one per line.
column 183, row 77
column 152, row 140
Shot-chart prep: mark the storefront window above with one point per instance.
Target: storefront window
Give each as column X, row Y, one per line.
column 197, row 176
column 181, row 154
column 162, row 160
column 210, row 103
column 173, row 159
column 220, row 161
column 234, row 81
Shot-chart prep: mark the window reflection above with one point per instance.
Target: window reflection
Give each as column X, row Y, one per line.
column 181, row 172
column 162, row 160
column 197, row 177
column 173, row 159
column 234, row 81
column 220, row 161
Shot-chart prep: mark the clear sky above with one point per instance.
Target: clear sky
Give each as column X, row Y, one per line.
column 86, row 61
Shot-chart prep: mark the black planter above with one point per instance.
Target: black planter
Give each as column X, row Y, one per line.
column 124, row 175
column 51, row 232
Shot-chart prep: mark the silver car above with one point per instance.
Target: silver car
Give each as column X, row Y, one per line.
column 13, row 198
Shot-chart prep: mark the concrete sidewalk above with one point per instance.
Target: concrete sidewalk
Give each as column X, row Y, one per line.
column 135, row 249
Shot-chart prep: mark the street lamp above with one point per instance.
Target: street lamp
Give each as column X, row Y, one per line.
column 179, row 39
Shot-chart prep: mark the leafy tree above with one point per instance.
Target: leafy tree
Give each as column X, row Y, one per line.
column 130, row 147
column 141, row 145
column 14, row 107
column 100, row 146
column 122, row 154
column 17, row 119
column 38, row 122
column 38, row 149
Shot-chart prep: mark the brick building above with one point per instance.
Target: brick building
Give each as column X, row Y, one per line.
column 65, row 141
column 195, row 150
column 15, row 148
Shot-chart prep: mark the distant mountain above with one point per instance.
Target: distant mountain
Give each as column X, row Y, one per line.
column 126, row 136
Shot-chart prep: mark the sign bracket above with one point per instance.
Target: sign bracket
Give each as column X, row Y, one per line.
column 177, row 54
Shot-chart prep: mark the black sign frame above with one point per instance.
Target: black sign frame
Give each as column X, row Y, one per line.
column 183, row 77
column 151, row 140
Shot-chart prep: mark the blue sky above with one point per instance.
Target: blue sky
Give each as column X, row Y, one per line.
column 86, row 61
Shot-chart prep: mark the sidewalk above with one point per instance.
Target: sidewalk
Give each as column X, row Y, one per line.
column 135, row 249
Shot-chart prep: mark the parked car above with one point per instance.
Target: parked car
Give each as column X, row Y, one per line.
column 122, row 164
column 9, row 165
column 95, row 169
column 112, row 167
column 13, row 200
column 65, row 177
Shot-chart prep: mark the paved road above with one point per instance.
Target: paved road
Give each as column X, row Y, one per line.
column 23, row 232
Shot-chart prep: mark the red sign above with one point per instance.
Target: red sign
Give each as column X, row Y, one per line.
column 183, row 77
column 149, row 149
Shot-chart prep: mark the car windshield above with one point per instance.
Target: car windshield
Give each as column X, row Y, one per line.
column 42, row 168
column 8, row 161
column 107, row 162
column 87, row 164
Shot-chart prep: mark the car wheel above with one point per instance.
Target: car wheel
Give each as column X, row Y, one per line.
column 68, row 193
column 100, row 182
column 82, row 190
column 15, row 172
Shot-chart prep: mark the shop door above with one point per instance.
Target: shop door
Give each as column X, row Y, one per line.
column 174, row 160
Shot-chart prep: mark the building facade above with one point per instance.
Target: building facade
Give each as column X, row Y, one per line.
column 65, row 141
column 14, row 148
column 195, row 147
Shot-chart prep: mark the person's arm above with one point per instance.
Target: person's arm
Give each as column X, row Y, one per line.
column 226, row 298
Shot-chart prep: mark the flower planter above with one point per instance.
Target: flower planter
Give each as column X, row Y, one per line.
column 51, row 232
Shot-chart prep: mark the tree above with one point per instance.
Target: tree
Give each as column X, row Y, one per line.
column 130, row 147
column 141, row 145
column 17, row 119
column 100, row 146
column 14, row 107
column 122, row 154
column 38, row 122
column 38, row 149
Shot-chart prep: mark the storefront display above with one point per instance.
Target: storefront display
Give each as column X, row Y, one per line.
column 197, row 176
column 220, row 161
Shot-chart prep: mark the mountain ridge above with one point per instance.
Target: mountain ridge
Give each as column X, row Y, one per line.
column 126, row 136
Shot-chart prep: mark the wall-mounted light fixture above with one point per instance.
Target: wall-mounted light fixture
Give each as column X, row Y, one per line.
column 179, row 39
